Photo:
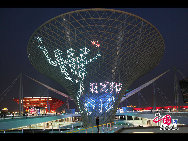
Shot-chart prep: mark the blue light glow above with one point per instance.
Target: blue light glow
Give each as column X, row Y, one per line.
column 101, row 98
column 99, row 104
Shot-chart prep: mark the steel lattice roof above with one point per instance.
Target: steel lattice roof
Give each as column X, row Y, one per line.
column 129, row 47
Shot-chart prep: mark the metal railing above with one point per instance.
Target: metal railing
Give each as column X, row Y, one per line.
column 103, row 128
column 75, row 128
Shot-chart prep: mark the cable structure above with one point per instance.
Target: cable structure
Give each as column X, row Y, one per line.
column 4, row 93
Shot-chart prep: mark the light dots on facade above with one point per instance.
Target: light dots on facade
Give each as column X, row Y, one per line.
column 103, row 99
column 95, row 43
column 107, row 87
column 77, row 65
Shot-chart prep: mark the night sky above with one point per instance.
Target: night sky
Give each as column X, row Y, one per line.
column 18, row 24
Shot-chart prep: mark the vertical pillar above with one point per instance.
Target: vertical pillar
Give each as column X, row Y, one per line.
column 103, row 128
column 43, row 125
column 59, row 128
column 67, row 103
column 52, row 126
column 139, row 99
column 143, row 121
column 154, row 99
column 72, row 127
column 176, row 90
column 20, row 96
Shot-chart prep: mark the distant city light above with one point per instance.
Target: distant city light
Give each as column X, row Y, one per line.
column 4, row 109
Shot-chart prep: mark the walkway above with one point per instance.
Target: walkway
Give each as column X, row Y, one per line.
column 20, row 122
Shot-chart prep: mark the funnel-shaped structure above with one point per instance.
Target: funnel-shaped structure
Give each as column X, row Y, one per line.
column 95, row 54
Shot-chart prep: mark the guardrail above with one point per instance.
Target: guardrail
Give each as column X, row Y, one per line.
column 16, row 129
column 106, row 128
column 112, row 127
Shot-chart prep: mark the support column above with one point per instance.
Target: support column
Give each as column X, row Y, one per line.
column 59, row 127
column 52, row 126
column 67, row 101
column 176, row 90
column 21, row 96
column 154, row 97
column 44, row 125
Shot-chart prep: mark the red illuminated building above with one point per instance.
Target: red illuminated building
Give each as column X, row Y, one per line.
column 47, row 104
column 160, row 108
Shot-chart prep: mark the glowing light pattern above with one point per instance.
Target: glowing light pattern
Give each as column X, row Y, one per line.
column 101, row 98
column 68, row 47
column 77, row 65
column 106, row 87
column 93, row 88
column 95, row 43
column 100, row 104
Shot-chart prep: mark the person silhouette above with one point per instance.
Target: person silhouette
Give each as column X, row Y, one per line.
column 97, row 123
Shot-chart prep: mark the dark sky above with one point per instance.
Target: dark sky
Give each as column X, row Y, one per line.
column 17, row 25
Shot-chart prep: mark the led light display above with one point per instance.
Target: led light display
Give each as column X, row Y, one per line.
column 100, row 100
column 95, row 55
column 99, row 105
column 106, row 87
column 76, row 64
column 104, row 99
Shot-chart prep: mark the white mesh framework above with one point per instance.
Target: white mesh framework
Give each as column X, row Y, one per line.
column 95, row 54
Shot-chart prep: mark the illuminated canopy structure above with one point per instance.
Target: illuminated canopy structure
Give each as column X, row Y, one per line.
column 95, row 54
